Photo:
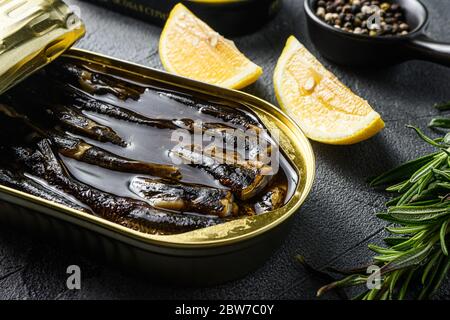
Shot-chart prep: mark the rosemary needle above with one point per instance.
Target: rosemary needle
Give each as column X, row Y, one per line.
column 443, row 106
column 440, row 122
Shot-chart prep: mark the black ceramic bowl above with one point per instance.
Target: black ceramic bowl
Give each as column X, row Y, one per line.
column 350, row 49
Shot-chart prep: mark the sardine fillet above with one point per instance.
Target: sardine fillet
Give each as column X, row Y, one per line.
column 125, row 211
column 244, row 181
column 184, row 197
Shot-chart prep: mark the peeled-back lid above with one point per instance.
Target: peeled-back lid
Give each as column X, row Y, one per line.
column 32, row 34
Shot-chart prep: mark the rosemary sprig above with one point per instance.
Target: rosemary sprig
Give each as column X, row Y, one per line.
column 416, row 257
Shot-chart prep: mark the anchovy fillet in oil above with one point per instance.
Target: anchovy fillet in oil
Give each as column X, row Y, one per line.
column 244, row 181
column 271, row 199
column 21, row 182
column 229, row 114
column 184, row 197
column 124, row 211
column 69, row 118
column 78, row 123
column 94, row 82
column 251, row 143
column 97, row 82
column 78, row 149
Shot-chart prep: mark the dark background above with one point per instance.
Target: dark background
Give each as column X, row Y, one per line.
column 334, row 225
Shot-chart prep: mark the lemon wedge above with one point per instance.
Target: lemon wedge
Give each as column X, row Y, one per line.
column 190, row 48
column 325, row 109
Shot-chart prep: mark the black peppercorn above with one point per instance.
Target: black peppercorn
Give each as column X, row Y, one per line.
column 347, row 8
column 367, row 17
column 388, row 29
column 404, row 27
column 398, row 15
column 395, row 28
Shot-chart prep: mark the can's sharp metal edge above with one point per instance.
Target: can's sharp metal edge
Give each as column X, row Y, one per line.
column 32, row 34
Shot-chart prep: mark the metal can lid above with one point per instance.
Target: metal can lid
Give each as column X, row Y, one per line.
column 32, row 34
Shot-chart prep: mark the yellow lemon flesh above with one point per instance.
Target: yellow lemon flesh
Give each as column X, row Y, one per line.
column 190, row 48
column 324, row 108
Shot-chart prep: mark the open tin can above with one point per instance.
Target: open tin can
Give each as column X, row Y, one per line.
column 229, row 17
column 201, row 257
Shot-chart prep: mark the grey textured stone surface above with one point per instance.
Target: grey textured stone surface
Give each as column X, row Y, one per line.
column 331, row 229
